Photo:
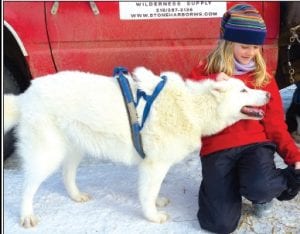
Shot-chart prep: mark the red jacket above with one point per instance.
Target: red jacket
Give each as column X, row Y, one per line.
column 271, row 128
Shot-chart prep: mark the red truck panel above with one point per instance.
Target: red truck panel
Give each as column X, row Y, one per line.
column 97, row 43
column 28, row 20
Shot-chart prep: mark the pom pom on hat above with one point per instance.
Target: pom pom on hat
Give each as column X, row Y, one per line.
column 242, row 23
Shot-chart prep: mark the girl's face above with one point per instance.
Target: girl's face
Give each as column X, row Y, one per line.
column 244, row 53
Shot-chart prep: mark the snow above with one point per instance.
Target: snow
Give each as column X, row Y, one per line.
column 115, row 208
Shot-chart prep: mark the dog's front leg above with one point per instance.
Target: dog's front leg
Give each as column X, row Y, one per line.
column 151, row 176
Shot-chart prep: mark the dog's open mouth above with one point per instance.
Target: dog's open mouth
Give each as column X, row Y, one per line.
column 253, row 112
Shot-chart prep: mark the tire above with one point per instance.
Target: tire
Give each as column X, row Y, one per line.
column 10, row 85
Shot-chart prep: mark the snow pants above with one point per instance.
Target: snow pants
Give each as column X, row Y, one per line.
column 247, row 171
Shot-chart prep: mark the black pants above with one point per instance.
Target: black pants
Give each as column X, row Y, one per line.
column 294, row 110
column 247, row 171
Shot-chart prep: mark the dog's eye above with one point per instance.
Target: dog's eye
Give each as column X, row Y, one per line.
column 244, row 91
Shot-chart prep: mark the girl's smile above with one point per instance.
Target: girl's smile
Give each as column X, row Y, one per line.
column 244, row 53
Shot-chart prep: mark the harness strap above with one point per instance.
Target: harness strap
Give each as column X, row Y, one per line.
column 149, row 98
column 131, row 105
column 131, row 111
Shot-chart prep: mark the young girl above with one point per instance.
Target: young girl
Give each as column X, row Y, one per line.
column 239, row 161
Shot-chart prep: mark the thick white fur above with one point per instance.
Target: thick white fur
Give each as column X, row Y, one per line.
column 63, row 116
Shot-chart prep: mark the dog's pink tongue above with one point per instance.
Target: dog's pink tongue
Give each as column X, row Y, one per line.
column 253, row 112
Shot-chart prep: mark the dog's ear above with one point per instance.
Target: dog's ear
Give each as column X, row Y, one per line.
column 142, row 73
column 218, row 88
column 145, row 79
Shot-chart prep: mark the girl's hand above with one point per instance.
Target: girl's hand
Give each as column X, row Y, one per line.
column 222, row 76
column 297, row 165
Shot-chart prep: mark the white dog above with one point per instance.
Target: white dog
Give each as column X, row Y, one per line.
column 63, row 116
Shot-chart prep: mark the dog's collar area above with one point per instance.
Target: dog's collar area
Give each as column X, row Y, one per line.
column 119, row 74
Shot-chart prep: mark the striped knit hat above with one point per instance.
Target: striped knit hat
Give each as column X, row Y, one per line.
column 242, row 23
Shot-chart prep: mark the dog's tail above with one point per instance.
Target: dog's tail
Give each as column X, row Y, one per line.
column 11, row 111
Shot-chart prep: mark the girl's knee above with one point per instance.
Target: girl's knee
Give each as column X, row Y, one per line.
column 223, row 224
column 219, row 217
column 261, row 192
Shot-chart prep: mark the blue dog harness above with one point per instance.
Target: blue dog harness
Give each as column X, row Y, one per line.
column 119, row 74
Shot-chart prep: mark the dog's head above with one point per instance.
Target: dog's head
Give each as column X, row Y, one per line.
column 238, row 101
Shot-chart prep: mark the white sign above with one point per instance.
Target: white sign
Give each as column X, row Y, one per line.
column 171, row 10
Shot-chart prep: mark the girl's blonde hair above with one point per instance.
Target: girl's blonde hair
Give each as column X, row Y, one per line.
column 222, row 60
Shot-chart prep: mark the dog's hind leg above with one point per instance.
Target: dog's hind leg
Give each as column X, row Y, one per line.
column 42, row 150
column 69, row 173
column 151, row 178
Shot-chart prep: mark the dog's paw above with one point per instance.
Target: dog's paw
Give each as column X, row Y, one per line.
column 162, row 201
column 160, row 217
column 81, row 197
column 29, row 221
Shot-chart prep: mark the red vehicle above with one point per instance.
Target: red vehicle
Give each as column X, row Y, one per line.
column 42, row 37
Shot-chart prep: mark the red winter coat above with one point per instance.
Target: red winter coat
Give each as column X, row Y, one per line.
column 271, row 128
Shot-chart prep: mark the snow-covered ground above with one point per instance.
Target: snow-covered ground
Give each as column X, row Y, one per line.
column 115, row 207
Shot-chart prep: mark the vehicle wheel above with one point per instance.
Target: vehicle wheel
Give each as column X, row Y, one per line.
column 9, row 86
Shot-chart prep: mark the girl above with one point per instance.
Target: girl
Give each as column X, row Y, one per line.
column 239, row 161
